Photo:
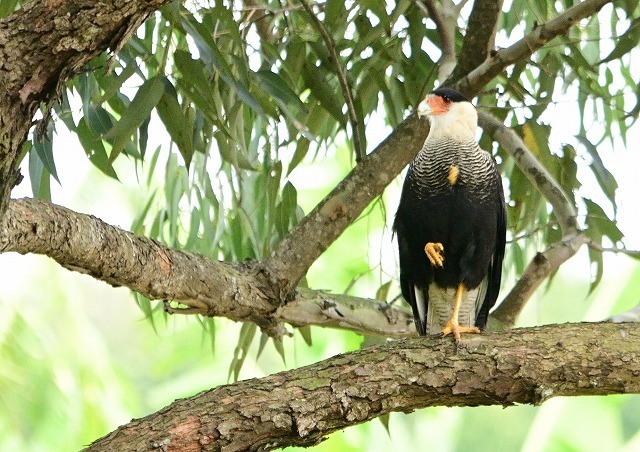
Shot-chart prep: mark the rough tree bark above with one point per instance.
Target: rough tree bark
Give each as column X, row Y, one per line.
column 301, row 406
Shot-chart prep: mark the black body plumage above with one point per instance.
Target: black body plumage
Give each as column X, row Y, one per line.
column 467, row 217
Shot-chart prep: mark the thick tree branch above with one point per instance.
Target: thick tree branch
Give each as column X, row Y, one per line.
column 301, row 406
column 479, row 38
column 365, row 316
column 483, row 74
column 239, row 292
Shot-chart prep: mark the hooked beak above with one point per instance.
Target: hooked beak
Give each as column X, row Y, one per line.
column 423, row 109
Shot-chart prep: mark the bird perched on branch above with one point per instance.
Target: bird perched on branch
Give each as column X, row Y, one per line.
column 451, row 223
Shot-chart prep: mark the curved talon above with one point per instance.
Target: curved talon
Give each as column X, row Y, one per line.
column 434, row 252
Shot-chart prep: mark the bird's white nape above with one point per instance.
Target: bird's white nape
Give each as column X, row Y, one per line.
column 459, row 123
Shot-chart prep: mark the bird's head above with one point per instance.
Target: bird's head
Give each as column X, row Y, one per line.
column 449, row 113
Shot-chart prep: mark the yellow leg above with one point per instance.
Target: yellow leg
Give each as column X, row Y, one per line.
column 434, row 253
column 452, row 325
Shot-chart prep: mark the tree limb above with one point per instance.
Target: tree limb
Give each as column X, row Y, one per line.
column 239, row 292
column 483, row 74
column 479, row 38
column 537, row 174
column 540, row 267
column 301, row 406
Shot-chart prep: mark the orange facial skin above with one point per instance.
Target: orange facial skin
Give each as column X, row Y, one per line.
column 437, row 104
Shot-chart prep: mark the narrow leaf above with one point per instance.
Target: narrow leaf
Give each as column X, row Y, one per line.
column 94, row 148
column 278, row 88
column 247, row 332
column 44, row 151
column 40, row 177
column 138, row 111
column 305, row 332
column 174, row 119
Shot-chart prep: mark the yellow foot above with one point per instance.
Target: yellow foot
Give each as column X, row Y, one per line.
column 456, row 329
column 434, row 253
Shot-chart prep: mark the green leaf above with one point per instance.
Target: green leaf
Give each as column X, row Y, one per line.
column 385, row 422
column 335, row 11
column 146, row 307
column 7, row 7
column 174, row 119
column 40, row 178
column 98, row 119
column 137, row 226
column 208, row 325
column 301, row 151
column 263, row 341
column 94, row 148
column 278, row 88
column 383, row 291
column 212, row 55
column 44, row 151
column 627, row 42
column 247, row 332
column 194, row 228
column 277, row 343
column 116, row 82
column 138, row 111
column 605, row 179
column 597, row 264
column 316, row 79
column 597, row 220
column 305, row 332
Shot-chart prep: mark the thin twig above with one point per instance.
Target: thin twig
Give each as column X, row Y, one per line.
column 446, row 30
column 346, row 91
column 596, row 247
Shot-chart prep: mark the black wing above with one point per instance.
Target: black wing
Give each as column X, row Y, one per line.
column 494, row 275
column 414, row 288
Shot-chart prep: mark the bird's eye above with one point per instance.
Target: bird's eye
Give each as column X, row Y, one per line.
column 446, row 99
